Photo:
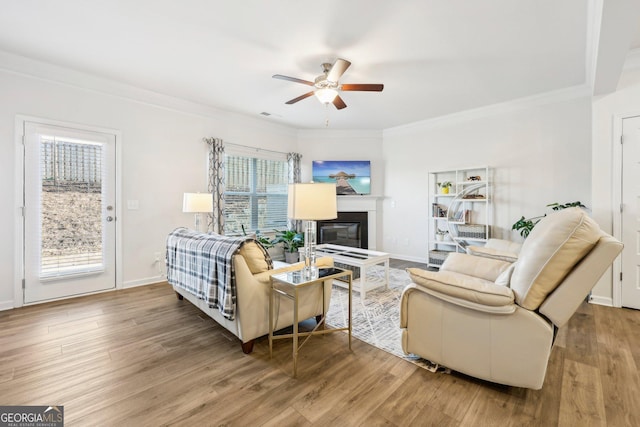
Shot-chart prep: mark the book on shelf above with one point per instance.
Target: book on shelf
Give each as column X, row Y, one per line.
column 438, row 211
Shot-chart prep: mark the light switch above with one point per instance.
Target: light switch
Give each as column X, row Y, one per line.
column 133, row 205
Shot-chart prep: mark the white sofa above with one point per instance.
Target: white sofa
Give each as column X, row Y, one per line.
column 253, row 275
column 497, row 320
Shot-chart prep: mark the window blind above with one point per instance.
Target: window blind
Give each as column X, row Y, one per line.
column 255, row 194
column 70, row 206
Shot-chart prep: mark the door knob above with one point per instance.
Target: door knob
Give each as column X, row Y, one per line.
column 109, row 218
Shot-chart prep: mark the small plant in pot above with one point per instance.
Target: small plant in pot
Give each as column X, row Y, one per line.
column 444, row 186
column 291, row 241
column 441, row 234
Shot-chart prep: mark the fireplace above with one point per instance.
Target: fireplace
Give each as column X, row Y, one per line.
column 349, row 229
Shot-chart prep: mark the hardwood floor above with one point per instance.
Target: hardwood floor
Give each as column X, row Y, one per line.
column 141, row 357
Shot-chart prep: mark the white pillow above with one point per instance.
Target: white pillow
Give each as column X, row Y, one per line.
column 504, row 279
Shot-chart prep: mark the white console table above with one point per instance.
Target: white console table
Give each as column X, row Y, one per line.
column 361, row 258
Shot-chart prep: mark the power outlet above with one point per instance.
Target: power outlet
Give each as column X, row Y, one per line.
column 159, row 262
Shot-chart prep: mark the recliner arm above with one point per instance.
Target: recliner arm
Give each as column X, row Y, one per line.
column 412, row 287
column 463, row 287
column 483, row 268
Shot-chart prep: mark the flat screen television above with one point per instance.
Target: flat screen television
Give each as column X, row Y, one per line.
column 352, row 177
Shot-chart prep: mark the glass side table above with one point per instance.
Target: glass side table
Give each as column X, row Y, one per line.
column 288, row 285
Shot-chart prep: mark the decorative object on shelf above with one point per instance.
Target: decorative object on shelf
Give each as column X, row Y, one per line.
column 437, row 257
column 312, row 202
column 525, row 225
column 441, row 234
column 444, row 187
column 472, row 231
column 438, row 211
column 197, row 203
column 475, row 178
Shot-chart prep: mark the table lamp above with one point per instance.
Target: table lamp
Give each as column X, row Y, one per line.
column 311, row 202
column 197, row 203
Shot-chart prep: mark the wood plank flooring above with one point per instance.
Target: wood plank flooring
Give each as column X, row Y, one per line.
column 140, row 357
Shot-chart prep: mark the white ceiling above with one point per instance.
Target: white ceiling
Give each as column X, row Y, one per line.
column 435, row 57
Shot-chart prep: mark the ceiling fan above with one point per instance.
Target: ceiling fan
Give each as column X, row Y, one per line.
column 327, row 84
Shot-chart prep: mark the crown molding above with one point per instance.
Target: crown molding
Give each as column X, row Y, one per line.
column 553, row 97
column 30, row 68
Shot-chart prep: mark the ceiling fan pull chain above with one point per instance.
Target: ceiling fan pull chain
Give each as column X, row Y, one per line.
column 326, row 120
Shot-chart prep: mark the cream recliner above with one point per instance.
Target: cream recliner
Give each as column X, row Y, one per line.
column 497, row 320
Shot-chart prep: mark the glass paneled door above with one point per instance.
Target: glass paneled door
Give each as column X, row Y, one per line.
column 69, row 212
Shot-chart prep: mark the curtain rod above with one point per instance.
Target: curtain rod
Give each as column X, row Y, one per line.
column 255, row 148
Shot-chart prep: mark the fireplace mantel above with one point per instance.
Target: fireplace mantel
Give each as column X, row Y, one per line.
column 369, row 204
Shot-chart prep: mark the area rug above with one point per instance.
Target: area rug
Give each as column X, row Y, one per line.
column 376, row 319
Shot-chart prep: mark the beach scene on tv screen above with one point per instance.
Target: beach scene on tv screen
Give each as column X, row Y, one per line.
column 350, row 176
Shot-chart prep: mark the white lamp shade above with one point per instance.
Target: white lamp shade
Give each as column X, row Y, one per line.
column 197, row 202
column 312, row 201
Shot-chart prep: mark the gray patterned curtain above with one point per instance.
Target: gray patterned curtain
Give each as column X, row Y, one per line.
column 215, row 186
column 294, row 177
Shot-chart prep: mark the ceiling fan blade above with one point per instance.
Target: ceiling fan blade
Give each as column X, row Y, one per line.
column 300, row 98
column 339, row 103
column 293, row 79
column 362, row 87
column 338, row 69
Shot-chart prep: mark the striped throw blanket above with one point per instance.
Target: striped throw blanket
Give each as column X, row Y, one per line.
column 201, row 264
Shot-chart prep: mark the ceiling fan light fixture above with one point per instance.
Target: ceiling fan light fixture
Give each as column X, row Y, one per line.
column 326, row 95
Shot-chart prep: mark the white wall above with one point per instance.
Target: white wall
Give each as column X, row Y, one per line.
column 331, row 144
column 607, row 113
column 540, row 153
column 163, row 156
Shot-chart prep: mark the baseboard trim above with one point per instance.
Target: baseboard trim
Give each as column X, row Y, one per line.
column 409, row 258
column 594, row 299
column 6, row 305
column 143, row 282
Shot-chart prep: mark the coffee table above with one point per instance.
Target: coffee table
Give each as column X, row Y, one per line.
column 362, row 258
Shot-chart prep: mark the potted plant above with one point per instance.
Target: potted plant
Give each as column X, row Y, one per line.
column 291, row 241
column 440, row 234
column 444, row 187
column 525, row 225
column 276, row 253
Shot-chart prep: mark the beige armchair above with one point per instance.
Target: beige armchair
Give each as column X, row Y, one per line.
column 497, row 320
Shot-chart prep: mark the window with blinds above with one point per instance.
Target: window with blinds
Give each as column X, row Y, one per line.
column 70, row 206
column 255, row 194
